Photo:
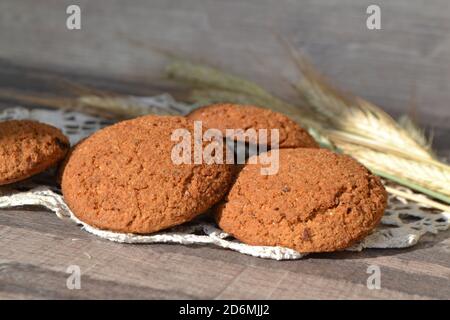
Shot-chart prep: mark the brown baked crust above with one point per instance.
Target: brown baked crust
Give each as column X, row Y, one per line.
column 233, row 116
column 28, row 148
column 63, row 163
column 122, row 178
column 318, row 202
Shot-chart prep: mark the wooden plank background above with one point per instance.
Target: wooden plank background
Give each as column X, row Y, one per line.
column 405, row 64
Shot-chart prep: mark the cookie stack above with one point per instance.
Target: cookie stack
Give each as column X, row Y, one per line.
column 124, row 178
column 318, row 201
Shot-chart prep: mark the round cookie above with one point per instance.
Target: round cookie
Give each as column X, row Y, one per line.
column 233, row 116
column 122, row 178
column 318, row 201
column 27, row 148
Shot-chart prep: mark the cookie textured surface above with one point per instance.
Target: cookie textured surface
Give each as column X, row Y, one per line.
column 123, row 179
column 27, row 148
column 318, row 201
column 232, row 116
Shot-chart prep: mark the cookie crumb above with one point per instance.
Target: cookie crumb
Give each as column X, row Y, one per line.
column 306, row 234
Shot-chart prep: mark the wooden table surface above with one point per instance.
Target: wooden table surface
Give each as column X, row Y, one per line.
column 408, row 60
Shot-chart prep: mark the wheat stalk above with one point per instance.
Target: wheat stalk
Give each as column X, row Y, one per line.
column 211, row 85
column 436, row 178
column 360, row 118
column 364, row 131
column 203, row 76
column 418, row 198
column 354, row 115
column 416, row 133
column 104, row 105
column 357, row 127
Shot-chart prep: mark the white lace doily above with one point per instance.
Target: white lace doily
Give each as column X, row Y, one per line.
column 402, row 226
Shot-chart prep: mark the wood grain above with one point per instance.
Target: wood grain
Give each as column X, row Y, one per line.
column 408, row 60
column 37, row 248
